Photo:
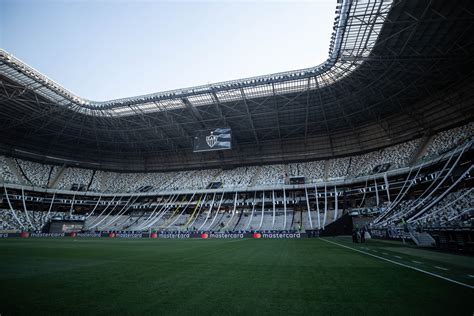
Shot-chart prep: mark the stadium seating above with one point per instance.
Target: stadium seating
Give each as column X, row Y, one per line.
column 38, row 174
column 271, row 174
column 338, row 168
column 397, row 156
column 6, row 174
column 34, row 221
column 104, row 181
column 75, row 177
column 446, row 140
column 312, row 171
column 237, row 177
column 455, row 210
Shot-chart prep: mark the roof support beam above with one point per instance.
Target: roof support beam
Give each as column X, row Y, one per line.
column 249, row 117
column 194, row 112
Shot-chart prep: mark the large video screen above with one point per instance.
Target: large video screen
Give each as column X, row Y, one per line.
column 217, row 139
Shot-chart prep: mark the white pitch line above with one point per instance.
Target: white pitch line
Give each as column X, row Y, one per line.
column 470, row 275
column 398, row 257
column 441, row 268
column 419, row 262
column 401, row 264
column 384, row 253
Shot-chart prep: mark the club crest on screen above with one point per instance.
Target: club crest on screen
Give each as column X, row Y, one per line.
column 211, row 140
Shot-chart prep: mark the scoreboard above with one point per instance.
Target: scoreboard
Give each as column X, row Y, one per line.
column 210, row 140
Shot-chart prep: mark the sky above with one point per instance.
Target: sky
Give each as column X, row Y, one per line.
column 107, row 49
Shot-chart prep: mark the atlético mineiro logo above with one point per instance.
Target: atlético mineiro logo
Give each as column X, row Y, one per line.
column 211, row 140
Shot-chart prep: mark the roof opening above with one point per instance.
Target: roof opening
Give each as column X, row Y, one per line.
column 109, row 50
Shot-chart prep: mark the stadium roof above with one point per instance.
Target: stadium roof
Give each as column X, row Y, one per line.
column 395, row 71
column 291, row 81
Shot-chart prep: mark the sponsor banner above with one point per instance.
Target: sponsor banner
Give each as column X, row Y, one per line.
column 227, row 235
column 175, row 236
column 282, row 235
column 88, row 235
column 203, row 235
column 256, row 235
column 166, row 235
column 123, row 235
column 47, row 235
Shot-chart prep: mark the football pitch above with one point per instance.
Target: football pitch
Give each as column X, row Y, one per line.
column 230, row 277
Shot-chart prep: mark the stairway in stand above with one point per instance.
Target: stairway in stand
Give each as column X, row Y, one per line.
column 14, row 169
column 422, row 239
column 58, row 177
column 255, row 176
column 421, row 150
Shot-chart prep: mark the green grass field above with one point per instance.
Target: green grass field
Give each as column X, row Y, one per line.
column 226, row 277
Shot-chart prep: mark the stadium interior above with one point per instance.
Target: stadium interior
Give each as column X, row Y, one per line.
column 376, row 142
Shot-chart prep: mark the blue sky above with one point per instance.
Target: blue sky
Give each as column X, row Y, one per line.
column 103, row 50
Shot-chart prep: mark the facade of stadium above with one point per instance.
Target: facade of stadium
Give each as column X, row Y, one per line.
column 398, row 80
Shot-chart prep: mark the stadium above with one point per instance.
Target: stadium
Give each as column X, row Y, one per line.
column 342, row 188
